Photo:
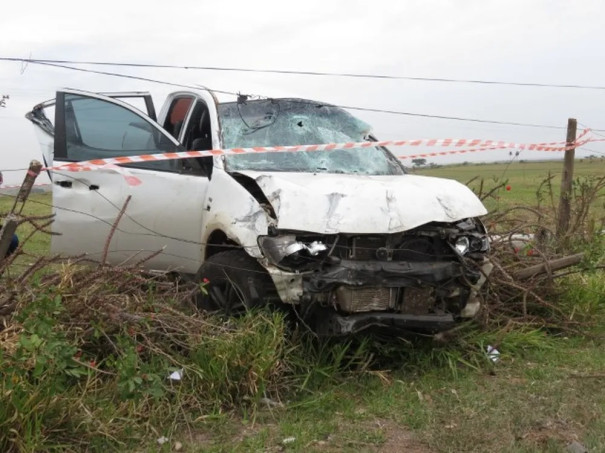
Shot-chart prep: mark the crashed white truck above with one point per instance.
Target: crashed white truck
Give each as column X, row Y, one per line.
column 345, row 237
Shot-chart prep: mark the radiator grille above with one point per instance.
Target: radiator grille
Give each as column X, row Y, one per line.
column 418, row 301
column 355, row 300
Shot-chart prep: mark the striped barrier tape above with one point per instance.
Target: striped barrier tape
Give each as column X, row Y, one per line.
column 576, row 144
column 475, row 144
column 486, row 145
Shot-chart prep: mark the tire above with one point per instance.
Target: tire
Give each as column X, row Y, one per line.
column 235, row 283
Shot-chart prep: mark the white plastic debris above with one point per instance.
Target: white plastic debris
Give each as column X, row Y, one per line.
column 176, row 375
column 576, row 447
column 162, row 440
column 288, row 440
column 269, row 402
column 493, row 353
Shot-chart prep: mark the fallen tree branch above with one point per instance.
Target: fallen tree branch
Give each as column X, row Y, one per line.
column 548, row 266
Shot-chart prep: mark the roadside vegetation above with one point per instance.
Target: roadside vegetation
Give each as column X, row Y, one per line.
column 102, row 358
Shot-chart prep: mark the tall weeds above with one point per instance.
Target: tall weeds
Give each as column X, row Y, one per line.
column 95, row 358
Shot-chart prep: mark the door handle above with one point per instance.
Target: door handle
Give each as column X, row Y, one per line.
column 93, row 187
column 66, row 184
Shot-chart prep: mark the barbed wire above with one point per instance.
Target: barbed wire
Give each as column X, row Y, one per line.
column 136, row 257
column 592, row 150
column 153, row 233
column 8, row 170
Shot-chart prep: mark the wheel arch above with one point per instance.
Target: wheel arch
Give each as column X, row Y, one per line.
column 218, row 241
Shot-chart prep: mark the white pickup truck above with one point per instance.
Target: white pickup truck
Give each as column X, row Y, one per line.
column 346, row 237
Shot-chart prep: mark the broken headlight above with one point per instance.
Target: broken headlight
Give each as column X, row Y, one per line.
column 289, row 253
column 471, row 239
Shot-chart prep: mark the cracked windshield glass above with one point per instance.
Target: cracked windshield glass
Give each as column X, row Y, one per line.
column 297, row 122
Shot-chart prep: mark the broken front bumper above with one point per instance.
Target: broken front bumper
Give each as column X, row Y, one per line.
column 412, row 288
column 331, row 323
column 352, row 296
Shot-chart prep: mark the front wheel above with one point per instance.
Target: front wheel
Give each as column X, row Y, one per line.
column 234, row 282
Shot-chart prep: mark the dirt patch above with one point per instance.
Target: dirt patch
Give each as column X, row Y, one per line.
column 376, row 435
column 560, row 431
column 398, row 438
column 379, row 436
column 202, row 439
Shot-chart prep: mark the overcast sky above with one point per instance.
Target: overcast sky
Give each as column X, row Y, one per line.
column 553, row 42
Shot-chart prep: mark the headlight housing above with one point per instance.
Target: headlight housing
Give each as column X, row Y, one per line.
column 471, row 238
column 462, row 245
column 288, row 253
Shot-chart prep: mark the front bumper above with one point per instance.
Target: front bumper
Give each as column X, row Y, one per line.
column 330, row 323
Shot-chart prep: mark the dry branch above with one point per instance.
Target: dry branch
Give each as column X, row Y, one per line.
column 113, row 230
column 549, row 266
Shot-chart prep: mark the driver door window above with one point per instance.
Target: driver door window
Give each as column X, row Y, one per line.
column 98, row 129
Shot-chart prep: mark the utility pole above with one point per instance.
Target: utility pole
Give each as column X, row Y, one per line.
column 567, row 179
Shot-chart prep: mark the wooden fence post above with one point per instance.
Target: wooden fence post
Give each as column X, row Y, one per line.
column 10, row 223
column 566, row 180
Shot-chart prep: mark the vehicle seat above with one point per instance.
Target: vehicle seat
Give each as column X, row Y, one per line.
column 201, row 143
column 177, row 129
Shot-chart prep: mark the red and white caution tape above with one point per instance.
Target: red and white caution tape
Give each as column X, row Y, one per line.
column 475, row 144
column 467, row 145
column 576, row 144
column 486, row 145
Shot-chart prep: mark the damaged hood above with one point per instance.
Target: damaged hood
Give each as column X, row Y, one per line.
column 334, row 203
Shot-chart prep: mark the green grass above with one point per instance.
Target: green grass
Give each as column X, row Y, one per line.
column 535, row 401
column 38, row 204
column 523, row 178
column 545, row 391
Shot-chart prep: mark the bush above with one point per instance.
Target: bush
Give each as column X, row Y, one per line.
column 91, row 367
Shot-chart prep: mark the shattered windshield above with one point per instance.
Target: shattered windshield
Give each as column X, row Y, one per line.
column 282, row 122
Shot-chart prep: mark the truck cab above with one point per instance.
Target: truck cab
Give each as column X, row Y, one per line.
column 344, row 236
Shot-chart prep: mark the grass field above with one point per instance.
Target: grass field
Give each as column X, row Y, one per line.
column 524, row 179
column 38, row 204
column 544, row 391
column 533, row 401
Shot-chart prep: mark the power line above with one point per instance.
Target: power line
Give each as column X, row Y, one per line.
column 592, row 129
column 306, row 73
column 365, row 109
column 592, row 150
column 454, row 118
column 128, row 76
